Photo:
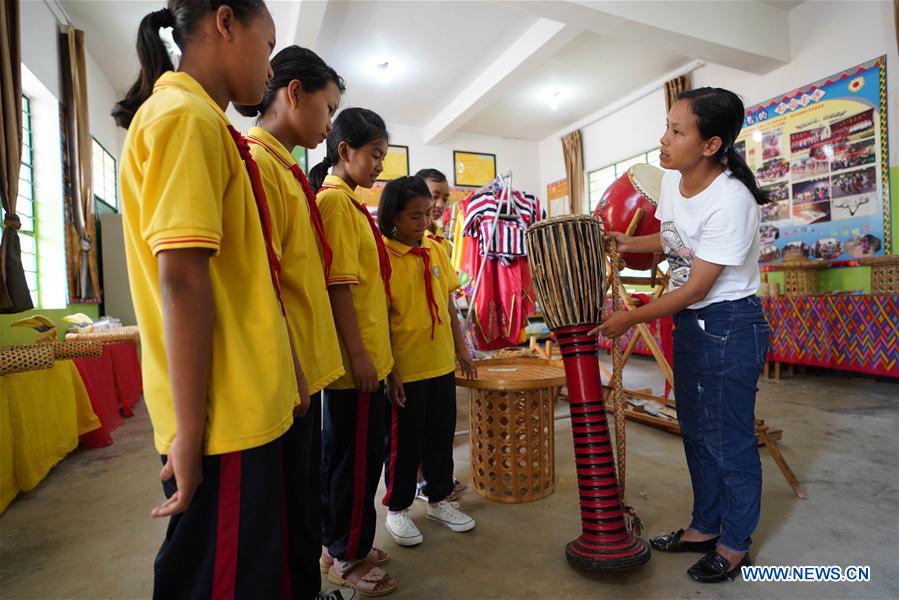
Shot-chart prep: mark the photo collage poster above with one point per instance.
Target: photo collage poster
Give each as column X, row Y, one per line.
column 821, row 154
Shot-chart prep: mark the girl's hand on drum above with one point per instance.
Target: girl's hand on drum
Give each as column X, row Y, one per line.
column 622, row 240
column 467, row 365
column 616, row 325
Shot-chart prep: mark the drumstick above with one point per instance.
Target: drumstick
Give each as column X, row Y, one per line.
column 635, row 221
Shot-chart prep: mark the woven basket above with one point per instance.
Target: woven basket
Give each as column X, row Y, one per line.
column 18, row 359
column 70, row 350
column 107, row 336
column 884, row 273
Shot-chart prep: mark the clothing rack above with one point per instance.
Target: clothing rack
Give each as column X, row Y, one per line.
column 505, row 202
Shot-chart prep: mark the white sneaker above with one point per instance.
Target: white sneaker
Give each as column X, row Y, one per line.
column 448, row 514
column 403, row 529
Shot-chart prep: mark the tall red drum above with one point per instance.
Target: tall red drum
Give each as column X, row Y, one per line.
column 639, row 187
column 567, row 262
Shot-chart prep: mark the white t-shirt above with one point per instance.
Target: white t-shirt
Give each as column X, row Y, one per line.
column 719, row 225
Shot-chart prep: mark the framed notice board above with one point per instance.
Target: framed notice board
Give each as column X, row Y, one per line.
column 473, row 169
column 396, row 163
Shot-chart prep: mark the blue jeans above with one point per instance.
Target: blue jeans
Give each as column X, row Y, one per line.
column 719, row 352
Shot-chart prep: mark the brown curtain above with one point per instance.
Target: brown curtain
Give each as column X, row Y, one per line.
column 573, row 151
column 14, row 293
column 81, row 252
column 673, row 89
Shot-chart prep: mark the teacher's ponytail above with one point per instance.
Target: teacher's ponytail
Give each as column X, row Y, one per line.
column 719, row 113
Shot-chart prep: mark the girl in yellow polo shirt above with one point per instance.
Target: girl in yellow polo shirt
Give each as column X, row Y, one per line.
column 354, row 405
column 439, row 189
column 426, row 341
column 219, row 378
column 296, row 111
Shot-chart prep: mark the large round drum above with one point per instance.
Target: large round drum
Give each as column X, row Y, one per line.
column 511, row 430
column 639, row 187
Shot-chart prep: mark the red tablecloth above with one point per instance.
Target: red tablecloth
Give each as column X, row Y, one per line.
column 113, row 382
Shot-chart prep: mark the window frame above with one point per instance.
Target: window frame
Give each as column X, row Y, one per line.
column 26, row 186
column 95, row 144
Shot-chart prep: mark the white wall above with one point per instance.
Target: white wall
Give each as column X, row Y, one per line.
column 826, row 37
column 519, row 156
column 40, row 53
column 101, row 98
column 40, row 44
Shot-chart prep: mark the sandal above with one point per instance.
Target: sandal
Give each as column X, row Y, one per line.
column 374, row 582
column 376, row 556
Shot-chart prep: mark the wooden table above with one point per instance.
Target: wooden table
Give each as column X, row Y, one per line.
column 512, row 433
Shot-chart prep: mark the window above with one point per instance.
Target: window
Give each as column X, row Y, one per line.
column 25, row 204
column 104, row 177
column 600, row 179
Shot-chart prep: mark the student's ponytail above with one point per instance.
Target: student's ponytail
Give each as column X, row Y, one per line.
column 318, row 173
column 183, row 16
column 355, row 126
column 719, row 113
column 154, row 61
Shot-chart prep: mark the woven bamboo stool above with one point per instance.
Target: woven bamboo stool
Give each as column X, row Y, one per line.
column 512, row 434
column 801, row 277
column 884, row 273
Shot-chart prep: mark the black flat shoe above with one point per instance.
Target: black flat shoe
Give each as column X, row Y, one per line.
column 712, row 568
column 673, row 543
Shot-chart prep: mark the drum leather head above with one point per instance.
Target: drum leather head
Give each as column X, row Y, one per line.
column 648, row 181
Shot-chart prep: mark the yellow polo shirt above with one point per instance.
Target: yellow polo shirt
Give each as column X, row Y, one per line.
column 296, row 242
column 417, row 355
column 440, row 237
column 356, row 264
column 184, row 185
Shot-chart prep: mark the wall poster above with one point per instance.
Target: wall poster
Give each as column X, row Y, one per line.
column 821, row 152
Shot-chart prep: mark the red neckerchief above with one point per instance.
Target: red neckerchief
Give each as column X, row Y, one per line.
column 315, row 215
column 274, row 263
column 383, row 259
column 429, row 289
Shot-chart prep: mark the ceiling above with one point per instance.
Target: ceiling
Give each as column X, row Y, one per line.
column 592, row 71
column 433, row 48
column 481, row 67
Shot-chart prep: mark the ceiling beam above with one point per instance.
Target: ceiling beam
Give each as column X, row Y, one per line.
column 541, row 40
column 750, row 36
